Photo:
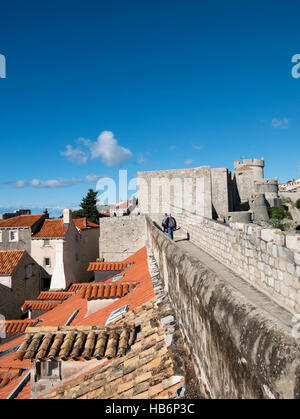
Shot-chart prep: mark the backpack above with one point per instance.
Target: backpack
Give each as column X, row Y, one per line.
column 171, row 222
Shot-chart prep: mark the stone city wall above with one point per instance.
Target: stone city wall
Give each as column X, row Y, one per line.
column 120, row 237
column 237, row 351
column 267, row 258
column 293, row 196
column 191, row 189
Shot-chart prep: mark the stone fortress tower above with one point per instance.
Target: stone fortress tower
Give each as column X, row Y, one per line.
column 251, row 191
column 242, row 195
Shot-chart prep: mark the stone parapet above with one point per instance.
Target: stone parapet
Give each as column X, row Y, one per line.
column 267, row 258
column 239, row 351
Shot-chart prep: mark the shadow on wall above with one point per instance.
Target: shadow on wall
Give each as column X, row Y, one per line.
column 225, row 346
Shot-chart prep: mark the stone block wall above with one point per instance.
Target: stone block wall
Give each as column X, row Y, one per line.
column 220, row 192
column 293, row 196
column 120, row 237
column 191, row 189
column 267, row 258
column 237, row 351
column 24, row 239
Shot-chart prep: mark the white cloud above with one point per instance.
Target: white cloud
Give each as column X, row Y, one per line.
column 280, row 123
column 20, row 184
column 188, row 162
column 198, row 147
column 106, row 147
column 93, row 178
column 52, row 183
column 109, row 150
column 75, row 155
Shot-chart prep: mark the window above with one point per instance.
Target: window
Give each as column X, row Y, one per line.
column 13, row 236
column 47, row 243
column 116, row 313
column 46, row 284
column 28, row 271
column 47, row 262
column 47, row 369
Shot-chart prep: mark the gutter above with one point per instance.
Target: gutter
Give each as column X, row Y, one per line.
column 20, row 386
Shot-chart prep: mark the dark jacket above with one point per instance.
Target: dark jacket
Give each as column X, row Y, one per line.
column 167, row 222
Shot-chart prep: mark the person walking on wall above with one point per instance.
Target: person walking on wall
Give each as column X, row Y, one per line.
column 164, row 223
column 171, row 225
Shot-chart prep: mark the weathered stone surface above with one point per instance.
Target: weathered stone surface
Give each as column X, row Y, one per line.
column 239, row 352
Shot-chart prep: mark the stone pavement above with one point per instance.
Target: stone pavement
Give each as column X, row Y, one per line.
column 268, row 307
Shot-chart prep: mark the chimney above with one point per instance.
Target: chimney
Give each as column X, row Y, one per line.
column 46, row 214
column 67, row 216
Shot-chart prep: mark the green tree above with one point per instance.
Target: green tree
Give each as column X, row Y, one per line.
column 278, row 213
column 88, row 207
column 298, row 203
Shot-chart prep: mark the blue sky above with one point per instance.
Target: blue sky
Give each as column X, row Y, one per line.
column 143, row 85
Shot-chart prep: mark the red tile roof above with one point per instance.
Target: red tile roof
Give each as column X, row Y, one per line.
column 25, row 394
column 143, row 293
column 22, row 221
column 121, row 205
column 72, row 343
column 54, row 295
column 83, row 223
column 39, row 305
column 7, row 375
column 19, row 326
column 150, row 373
column 9, row 260
column 94, row 291
column 12, row 384
column 107, row 266
column 51, row 229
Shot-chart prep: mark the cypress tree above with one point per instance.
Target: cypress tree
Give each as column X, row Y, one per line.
column 88, row 207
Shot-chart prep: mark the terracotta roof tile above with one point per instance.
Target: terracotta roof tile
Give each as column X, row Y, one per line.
column 51, row 229
column 83, row 223
column 8, row 376
column 39, row 305
column 121, row 205
column 146, row 364
column 107, row 266
column 25, row 393
column 9, row 260
column 147, row 370
column 99, row 291
column 19, row 326
column 21, row 221
column 54, row 295
column 77, row 343
column 76, row 287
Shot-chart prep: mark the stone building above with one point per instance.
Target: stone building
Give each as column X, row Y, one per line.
column 16, row 213
column 16, row 232
column 63, row 246
column 21, row 278
column 89, row 246
column 242, row 195
column 56, row 246
column 123, row 342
